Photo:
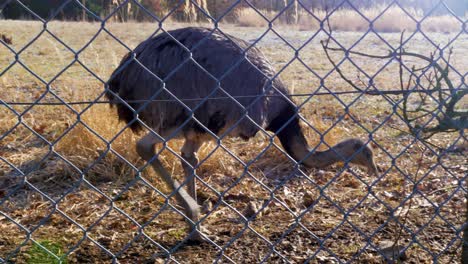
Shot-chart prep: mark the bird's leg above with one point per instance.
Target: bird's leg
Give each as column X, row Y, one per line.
column 189, row 163
column 145, row 148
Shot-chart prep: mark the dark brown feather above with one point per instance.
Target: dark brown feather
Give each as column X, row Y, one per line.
column 166, row 71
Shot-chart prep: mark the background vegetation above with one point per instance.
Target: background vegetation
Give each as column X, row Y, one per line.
column 196, row 10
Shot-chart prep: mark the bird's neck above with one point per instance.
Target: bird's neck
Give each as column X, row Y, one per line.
column 289, row 132
column 296, row 146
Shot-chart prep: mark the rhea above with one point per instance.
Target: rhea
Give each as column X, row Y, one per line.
column 201, row 84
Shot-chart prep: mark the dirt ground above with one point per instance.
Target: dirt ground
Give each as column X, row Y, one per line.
column 86, row 199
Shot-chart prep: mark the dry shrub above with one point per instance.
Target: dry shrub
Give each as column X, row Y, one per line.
column 396, row 20
column 393, row 19
column 307, row 22
column 82, row 147
column 348, row 20
column 441, row 24
column 247, row 17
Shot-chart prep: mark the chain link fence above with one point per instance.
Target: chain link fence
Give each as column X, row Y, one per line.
column 74, row 187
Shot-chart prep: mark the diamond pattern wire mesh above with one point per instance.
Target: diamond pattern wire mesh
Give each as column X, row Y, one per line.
column 74, row 189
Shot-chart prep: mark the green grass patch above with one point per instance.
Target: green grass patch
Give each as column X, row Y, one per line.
column 37, row 255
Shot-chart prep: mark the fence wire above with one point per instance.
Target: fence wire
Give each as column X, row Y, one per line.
column 78, row 186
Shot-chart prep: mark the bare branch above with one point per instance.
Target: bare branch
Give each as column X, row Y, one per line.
column 441, row 109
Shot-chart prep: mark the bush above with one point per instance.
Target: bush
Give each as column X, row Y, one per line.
column 247, row 17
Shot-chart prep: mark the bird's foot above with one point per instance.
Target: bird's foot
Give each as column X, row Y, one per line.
column 201, row 236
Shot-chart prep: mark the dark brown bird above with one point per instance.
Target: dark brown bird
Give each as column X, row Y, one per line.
column 170, row 82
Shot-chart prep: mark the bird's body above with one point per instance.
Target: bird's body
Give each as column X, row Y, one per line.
column 197, row 83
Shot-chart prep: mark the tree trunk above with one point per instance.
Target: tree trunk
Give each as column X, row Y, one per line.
column 83, row 14
column 188, row 12
column 203, row 6
column 291, row 12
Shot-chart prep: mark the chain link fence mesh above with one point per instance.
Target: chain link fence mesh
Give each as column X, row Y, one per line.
column 74, row 189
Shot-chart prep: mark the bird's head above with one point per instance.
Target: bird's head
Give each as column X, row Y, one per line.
column 357, row 152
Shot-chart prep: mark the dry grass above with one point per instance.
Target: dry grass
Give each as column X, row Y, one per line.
column 84, row 174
